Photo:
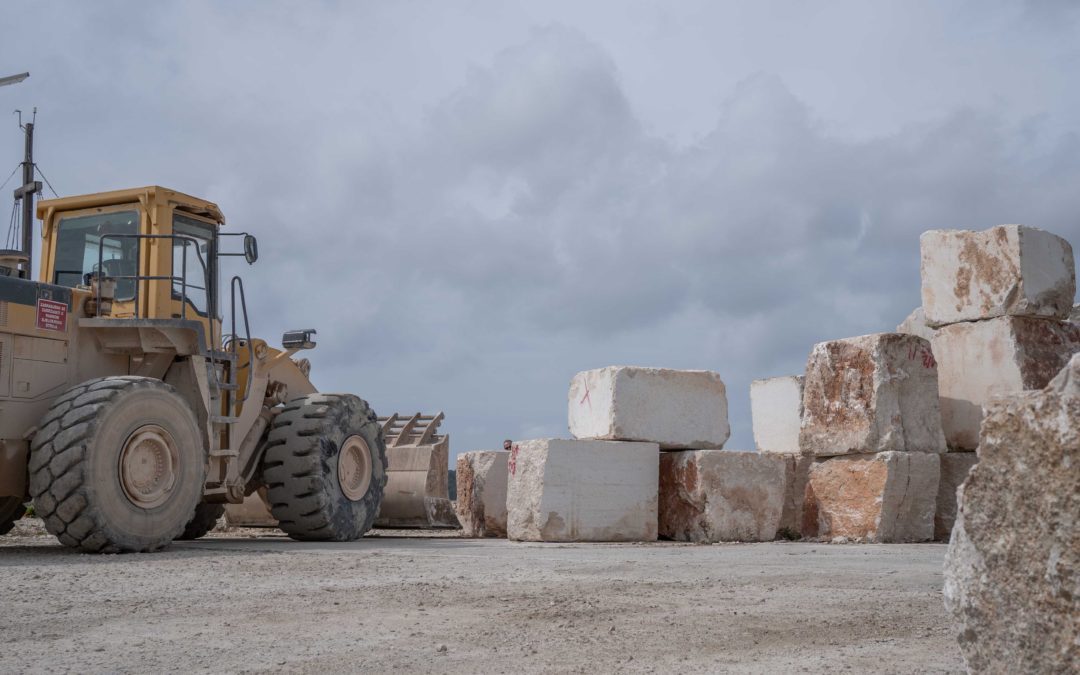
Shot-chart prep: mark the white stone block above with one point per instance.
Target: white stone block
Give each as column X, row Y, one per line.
column 1006, row 270
column 776, row 410
column 679, row 409
column 981, row 360
column 481, row 492
column 873, row 393
column 708, row 496
column 915, row 324
column 582, row 491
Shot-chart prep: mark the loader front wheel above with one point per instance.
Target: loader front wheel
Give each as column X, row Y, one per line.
column 11, row 509
column 117, row 465
column 205, row 518
column 325, row 467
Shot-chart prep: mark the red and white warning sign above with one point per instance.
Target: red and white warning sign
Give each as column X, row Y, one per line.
column 51, row 315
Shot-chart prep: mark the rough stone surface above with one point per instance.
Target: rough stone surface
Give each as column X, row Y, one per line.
column 874, row 393
column 1006, row 270
column 582, row 491
column 708, row 496
column 481, row 494
column 776, row 409
column 954, row 469
column 1075, row 315
column 883, row 497
column 980, row 360
column 915, row 324
column 796, row 474
column 1012, row 571
column 679, row 409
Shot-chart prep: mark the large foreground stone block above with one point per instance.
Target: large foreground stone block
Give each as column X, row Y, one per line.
column 776, row 410
column 980, row 360
column 582, row 491
column 1012, row 571
column 874, row 393
column 884, row 497
column 954, row 469
column 1006, row 270
column 481, row 493
column 679, row 409
column 716, row 495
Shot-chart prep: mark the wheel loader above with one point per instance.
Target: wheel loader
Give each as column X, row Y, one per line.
column 131, row 416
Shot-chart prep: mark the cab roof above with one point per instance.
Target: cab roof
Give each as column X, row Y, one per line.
column 146, row 195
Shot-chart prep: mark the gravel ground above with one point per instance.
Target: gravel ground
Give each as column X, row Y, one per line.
column 250, row 601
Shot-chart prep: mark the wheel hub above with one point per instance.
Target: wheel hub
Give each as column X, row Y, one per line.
column 148, row 464
column 354, row 468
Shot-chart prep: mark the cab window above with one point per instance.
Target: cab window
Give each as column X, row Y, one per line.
column 81, row 242
column 193, row 273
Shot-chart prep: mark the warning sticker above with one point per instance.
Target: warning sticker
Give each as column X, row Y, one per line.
column 51, row 315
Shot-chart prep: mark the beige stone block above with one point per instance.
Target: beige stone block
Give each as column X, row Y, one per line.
column 915, row 324
column 579, row 490
column 954, row 469
column 776, row 410
column 873, row 393
column 981, row 360
column 883, row 497
column 1007, row 270
column 715, row 495
column 1012, row 571
column 679, row 409
column 481, row 493
column 796, row 474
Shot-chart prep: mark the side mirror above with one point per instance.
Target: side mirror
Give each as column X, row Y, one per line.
column 251, row 249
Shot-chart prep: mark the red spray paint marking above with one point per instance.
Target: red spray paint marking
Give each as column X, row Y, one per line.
column 926, row 355
column 586, row 397
column 512, row 465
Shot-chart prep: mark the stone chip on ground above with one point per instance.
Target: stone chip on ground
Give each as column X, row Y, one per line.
column 873, row 393
column 1012, row 571
column 954, row 469
column 678, row 409
column 980, row 360
column 776, row 411
column 582, row 490
column 481, row 492
column 1006, row 270
column 708, row 496
column 883, row 497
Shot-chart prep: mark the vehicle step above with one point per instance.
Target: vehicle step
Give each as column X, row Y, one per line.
column 219, row 355
column 223, row 419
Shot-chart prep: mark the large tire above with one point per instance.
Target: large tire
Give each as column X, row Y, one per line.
column 317, row 452
column 205, row 518
column 118, row 465
column 11, row 509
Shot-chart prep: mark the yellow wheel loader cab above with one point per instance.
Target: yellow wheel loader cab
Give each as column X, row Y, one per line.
column 131, row 413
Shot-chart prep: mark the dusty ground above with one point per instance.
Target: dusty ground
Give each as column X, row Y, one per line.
column 444, row 604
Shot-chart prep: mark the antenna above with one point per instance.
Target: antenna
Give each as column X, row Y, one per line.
column 25, row 192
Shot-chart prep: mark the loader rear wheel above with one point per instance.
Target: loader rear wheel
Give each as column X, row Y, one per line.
column 325, row 467
column 11, row 509
column 117, row 465
column 205, row 518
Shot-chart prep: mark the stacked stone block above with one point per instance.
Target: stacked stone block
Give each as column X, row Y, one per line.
column 481, row 493
column 776, row 406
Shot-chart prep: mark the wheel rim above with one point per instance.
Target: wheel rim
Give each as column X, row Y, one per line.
column 354, row 468
column 148, row 465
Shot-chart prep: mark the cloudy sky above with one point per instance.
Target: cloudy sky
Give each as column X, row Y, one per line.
column 471, row 201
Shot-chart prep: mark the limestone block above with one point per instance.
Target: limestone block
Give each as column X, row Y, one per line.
column 796, row 474
column 716, row 495
column 883, row 497
column 1011, row 572
column 915, row 324
column 1006, row 270
column 582, row 491
column 954, row 469
column 481, row 495
column 679, row 409
column 776, row 410
column 874, row 393
column 980, row 360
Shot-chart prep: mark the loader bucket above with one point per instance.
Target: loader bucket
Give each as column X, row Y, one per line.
column 417, row 493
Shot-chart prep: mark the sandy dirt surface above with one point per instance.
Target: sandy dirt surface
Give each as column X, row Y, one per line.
column 393, row 603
